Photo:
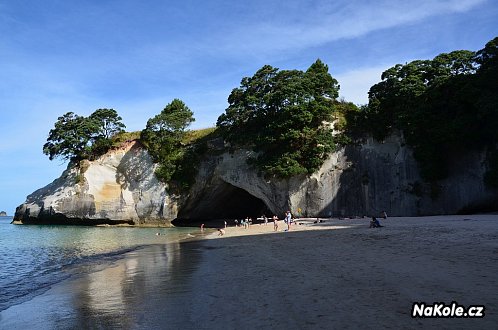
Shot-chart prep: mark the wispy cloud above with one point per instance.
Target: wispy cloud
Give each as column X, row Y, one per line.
column 330, row 21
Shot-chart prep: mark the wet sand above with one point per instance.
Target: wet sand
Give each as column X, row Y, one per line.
column 334, row 274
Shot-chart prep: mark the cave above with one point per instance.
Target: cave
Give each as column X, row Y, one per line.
column 224, row 202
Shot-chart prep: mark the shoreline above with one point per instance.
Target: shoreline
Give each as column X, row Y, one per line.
column 338, row 273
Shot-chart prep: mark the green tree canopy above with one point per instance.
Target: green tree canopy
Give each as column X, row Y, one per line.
column 163, row 137
column 107, row 123
column 285, row 116
column 442, row 105
column 76, row 137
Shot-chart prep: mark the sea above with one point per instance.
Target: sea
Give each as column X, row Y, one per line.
column 35, row 257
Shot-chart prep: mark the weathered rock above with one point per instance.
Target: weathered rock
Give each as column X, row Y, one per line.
column 118, row 188
column 361, row 180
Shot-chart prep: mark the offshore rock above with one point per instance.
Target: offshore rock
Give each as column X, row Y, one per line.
column 118, row 188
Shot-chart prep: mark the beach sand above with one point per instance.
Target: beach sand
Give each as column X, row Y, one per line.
column 334, row 274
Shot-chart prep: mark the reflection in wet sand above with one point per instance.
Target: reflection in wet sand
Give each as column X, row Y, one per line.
column 135, row 292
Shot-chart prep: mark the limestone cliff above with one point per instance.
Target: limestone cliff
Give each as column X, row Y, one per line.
column 358, row 180
column 119, row 187
column 364, row 179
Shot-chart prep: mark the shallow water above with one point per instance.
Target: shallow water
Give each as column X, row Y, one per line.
column 144, row 290
column 33, row 258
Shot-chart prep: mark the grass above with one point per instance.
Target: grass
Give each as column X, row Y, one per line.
column 123, row 137
column 195, row 135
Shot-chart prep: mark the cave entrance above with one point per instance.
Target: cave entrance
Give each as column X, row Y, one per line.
column 223, row 202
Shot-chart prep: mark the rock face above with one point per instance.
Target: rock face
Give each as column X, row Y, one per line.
column 366, row 179
column 119, row 187
column 355, row 181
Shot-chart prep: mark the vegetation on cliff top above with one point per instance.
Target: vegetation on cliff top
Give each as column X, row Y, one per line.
column 443, row 106
column 163, row 137
column 285, row 116
column 76, row 137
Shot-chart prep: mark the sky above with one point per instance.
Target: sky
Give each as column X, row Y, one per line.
column 137, row 56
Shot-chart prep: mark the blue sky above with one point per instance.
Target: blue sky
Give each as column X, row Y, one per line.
column 136, row 56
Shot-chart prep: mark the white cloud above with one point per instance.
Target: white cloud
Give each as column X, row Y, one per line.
column 296, row 29
column 355, row 84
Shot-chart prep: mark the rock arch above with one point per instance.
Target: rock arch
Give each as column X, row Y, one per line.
column 222, row 201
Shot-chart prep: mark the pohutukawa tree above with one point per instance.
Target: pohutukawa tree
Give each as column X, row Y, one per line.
column 76, row 137
column 285, row 117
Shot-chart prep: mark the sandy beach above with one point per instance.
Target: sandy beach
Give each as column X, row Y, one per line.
column 333, row 274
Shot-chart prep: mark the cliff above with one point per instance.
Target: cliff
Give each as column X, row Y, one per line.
column 365, row 179
column 118, row 188
column 355, row 181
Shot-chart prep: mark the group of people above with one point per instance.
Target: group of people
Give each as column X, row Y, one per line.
column 288, row 220
column 247, row 222
column 244, row 222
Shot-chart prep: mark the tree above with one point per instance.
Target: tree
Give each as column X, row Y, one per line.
column 163, row 136
column 488, row 56
column 486, row 83
column 247, row 105
column 285, row 117
column 76, row 137
column 444, row 105
column 70, row 139
column 107, row 123
column 487, row 102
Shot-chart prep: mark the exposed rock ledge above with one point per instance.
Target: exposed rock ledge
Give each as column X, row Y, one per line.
column 120, row 187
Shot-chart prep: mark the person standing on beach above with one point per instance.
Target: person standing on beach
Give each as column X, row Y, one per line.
column 202, row 227
column 275, row 223
column 288, row 218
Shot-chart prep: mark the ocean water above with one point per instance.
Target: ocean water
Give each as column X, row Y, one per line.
column 35, row 257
